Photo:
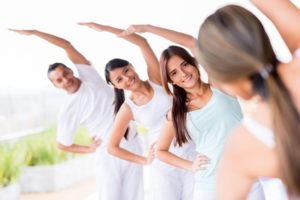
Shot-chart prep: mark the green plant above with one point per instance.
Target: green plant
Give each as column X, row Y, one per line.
column 41, row 148
column 11, row 159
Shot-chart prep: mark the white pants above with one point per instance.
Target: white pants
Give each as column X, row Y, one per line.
column 204, row 195
column 119, row 179
column 274, row 189
column 170, row 183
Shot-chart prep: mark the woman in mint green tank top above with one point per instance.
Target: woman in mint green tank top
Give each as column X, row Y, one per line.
column 199, row 113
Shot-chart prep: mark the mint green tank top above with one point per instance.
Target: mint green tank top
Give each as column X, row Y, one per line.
column 209, row 128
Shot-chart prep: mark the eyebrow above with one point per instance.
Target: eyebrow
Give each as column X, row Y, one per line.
column 116, row 79
column 182, row 63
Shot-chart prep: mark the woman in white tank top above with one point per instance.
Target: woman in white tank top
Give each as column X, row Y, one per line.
column 236, row 52
column 147, row 104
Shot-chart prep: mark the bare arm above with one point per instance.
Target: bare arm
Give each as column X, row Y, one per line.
column 285, row 16
column 121, row 123
column 73, row 54
column 237, row 172
column 163, row 154
column 76, row 148
column 148, row 54
column 183, row 39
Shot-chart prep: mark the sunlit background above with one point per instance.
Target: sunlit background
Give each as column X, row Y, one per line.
column 27, row 98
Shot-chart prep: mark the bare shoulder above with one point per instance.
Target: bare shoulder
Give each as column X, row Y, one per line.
column 245, row 149
column 124, row 113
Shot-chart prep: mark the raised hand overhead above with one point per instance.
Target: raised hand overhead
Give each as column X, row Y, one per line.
column 75, row 56
column 147, row 52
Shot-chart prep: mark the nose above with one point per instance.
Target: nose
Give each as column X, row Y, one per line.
column 65, row 81
column 183, row 73
column 126, row 78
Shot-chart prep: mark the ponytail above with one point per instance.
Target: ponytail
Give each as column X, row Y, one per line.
column 119, row 94
column 119, row 100
column 287, row 132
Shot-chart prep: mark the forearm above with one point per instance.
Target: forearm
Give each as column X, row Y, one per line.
column 57, row 41
column 174, row 160
column 76, row 148
column 127, row 155
column 183, row 39
column 282, row 20
column 133, row 38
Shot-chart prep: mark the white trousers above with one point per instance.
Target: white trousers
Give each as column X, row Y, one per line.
column 119, row 179
column 167, row 182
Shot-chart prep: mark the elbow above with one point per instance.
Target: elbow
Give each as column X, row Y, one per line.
column 112, row 150
column 67, row 44
column 192, row 44
column 62, row 147
column 160, row 154
column 144, row 42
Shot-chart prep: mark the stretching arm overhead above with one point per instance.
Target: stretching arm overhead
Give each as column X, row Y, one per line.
column 183, row 39
column 285, row 16
column 148, row 54
column 75, row 56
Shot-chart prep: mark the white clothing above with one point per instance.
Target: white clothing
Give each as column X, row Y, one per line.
column 92, row 106
column 297, row 53
column 262, row 133
column 152, row 115
column 256, row 193
column 274, row 189
column 166, row 181
column 120, row 179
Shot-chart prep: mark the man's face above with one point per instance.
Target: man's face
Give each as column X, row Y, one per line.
column 64, row 78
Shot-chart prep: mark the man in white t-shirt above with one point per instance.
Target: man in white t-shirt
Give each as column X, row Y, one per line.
column 90, row 103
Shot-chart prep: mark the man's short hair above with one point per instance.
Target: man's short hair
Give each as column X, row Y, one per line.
column 53, row 66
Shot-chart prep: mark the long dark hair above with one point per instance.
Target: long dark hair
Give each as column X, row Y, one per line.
column 179, row 108
column 233, row 44
column 119, row 93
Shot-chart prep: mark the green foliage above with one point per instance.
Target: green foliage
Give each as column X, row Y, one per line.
column 37, row 149
column 11, row 159
column 41, row 148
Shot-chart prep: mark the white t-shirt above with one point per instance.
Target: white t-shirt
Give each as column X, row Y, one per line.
column 91, row 106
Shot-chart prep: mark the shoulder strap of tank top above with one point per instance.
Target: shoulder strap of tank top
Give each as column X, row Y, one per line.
column 297, row 53
column 259, row 131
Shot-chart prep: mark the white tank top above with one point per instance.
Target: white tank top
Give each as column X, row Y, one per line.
column 297, row 53
column 152, row 114
column 262, row 133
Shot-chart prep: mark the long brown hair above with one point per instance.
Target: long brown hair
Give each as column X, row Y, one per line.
column 233, row 44
column 119, row 93
column 179, row 108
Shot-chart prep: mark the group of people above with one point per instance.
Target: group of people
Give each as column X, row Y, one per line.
column 201, row 145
